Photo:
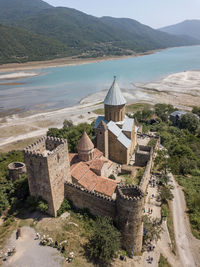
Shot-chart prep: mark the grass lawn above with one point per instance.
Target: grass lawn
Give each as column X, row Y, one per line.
column 138, row 106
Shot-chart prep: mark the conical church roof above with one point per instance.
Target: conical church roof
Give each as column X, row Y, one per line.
column 85, row 143
column 114, row 96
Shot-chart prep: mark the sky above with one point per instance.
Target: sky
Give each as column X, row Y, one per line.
column 154, row 13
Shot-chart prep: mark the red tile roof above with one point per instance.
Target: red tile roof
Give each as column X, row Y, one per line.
column 79, row 170
column 97, row 164
column 97, row 153
column 83, row 173
column 89, row 180
column 105, row 186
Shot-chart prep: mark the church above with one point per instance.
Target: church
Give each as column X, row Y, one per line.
column 116, row 134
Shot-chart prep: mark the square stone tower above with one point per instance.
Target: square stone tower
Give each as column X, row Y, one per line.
column 47, row 163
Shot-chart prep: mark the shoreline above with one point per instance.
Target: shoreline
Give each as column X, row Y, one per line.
column 67, row 61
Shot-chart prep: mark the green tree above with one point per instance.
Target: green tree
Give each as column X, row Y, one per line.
column 104, row 242
column 152, row 229
column 196, row 110
column 165, row 194
column 163, row 111
column 161, row 161
column 67, row 124
column 72, row 133
column 189, row 121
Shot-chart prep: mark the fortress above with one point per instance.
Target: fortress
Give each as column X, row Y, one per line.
column 54, row 174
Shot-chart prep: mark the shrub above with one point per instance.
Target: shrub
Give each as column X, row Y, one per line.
column 65, row 206
column 112, row 177
column 42, row 206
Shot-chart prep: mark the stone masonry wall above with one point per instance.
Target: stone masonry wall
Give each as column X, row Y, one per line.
column 142, row 155
column 47, row 166
column 117, row 152
column 146, row 175
column 102, row 139
column 98, row 204
column 130, row 205
column 126, row 210
column 114, row 113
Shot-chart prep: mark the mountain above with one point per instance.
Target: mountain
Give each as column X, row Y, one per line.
column 83, row 34
column 12, row 10
column 188, row 27
column 19, row 46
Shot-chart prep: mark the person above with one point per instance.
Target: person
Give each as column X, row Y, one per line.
column 18, row 233
column 63, row 249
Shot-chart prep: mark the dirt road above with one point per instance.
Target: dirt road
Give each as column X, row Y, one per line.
column 29, row 253
column 181, row 227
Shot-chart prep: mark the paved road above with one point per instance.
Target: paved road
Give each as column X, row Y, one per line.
column 180, row 227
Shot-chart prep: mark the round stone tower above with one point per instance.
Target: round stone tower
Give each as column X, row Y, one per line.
column 16, row 169
column 114, row 103
column 130, row 205
column 85, row 148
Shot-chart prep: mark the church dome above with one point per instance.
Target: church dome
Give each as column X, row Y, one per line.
column 85, row 144
column 85, row 148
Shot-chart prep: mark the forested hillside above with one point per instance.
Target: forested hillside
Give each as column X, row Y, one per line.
column 19, row 46
column 83, row 34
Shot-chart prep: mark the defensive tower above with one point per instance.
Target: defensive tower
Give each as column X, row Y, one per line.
column 47, row 163
column 16, row 170
column 130, row 204
column 114, row 103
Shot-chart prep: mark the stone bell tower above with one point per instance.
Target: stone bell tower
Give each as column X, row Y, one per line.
column 114, row 103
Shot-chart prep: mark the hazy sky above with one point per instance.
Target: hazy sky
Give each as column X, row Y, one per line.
column 155, row 13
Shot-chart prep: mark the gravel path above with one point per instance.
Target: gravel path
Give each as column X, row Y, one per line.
column 29, row 253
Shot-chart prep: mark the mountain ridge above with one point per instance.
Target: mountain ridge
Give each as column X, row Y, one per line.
column 86, row 35
column 186, row 27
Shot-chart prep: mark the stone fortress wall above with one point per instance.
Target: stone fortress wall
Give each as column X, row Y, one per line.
column 149, row 165
column 48, row 170
column 126, row 210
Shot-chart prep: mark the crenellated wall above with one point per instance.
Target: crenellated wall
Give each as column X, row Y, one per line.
column 98, row 204
column 126, row 210
column 149, row 165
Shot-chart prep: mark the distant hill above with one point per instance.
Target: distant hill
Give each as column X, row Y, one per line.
column 187, row 27
column 83, row 34
column 19, row 46
column 11, row 10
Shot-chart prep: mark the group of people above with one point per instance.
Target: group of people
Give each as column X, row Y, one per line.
column 150, row 259
column 46, row 240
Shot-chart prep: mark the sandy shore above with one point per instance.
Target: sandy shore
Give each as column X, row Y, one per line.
column 180, row 89
column 18, row 75
column 68, row 61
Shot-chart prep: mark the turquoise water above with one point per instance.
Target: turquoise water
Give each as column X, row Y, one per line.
column 65, row 86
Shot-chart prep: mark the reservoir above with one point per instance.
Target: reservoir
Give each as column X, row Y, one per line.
column 59, row 87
